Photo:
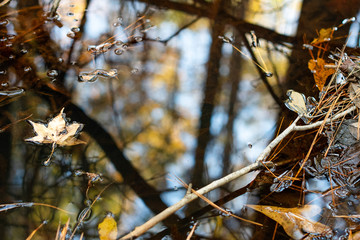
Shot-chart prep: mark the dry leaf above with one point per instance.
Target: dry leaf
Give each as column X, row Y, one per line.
column 350, row 67
column 108, row 228
column 354, row 92
column 295, row 221
column 296, row 102
column 325, row 35
column 355, row 236
column 56, row 132
column 320, row 72
column 354, row 130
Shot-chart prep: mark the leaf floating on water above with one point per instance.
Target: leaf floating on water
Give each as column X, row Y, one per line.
column 295, row 221
column 12, row 92
column 87, row 77
column 108, row 228
column 296, row 102
column 56, row 132
column 101, row 48
column 321, row 73
column 93, row 76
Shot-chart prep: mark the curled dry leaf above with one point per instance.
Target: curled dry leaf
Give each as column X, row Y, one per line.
column 354, row 92
column 56, row 132
column 354, row 129
column 321, row 73
column 350, row 67
column 295, row 221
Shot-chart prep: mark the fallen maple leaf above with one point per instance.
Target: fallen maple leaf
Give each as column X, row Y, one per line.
column 56, row 132
column 295, row 220
column 321, row 73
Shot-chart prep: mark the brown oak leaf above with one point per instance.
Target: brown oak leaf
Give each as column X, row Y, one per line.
column 325, row 35
column 320, row 72
column 56, row 132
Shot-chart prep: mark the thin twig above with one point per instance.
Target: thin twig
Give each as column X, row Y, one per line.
column 318, row 124
column 275, row 142
column 262, row 72
column 192, row 231
column 189, row 198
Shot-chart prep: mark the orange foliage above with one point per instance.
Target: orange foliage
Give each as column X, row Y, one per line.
column 320, row 72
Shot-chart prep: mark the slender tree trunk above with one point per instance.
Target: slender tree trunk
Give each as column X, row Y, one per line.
column 234, row 80
column 211, row 90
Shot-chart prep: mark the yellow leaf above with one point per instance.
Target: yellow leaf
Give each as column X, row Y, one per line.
column 108, row 228
column 320, row 72
column 325, row 35
column 295, row 220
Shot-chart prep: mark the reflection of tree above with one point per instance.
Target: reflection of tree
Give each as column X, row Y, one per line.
column 135, row 124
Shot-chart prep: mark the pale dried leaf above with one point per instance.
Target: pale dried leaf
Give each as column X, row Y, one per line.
column 354, row 130
column 295, row 221
column 56, row 131
column 296, row 102
column 354, row 92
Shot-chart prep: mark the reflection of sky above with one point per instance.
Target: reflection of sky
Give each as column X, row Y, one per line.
column 354, row 29
column 193, row 47
column 255, row 123
column 279, row 15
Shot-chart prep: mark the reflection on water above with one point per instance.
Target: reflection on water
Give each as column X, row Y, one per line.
column 140, row 102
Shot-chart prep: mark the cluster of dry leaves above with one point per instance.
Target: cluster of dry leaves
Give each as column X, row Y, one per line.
column 297, row 222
